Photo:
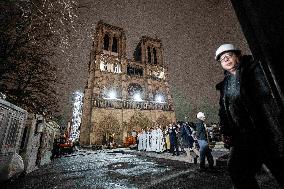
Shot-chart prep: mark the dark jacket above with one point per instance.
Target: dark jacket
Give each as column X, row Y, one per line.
column 187, row 139
column 253, row 117
column 173, row 133
column 200, row 130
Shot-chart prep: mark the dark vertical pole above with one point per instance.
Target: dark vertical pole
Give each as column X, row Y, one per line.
column 262, row 24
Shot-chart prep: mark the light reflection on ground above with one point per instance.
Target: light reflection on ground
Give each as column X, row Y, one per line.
column 109, row 169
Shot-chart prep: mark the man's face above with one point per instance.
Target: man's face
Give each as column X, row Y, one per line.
column 203, row 118
column 229, row 61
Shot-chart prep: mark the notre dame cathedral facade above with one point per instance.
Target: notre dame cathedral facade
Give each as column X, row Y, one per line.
column 124, row 94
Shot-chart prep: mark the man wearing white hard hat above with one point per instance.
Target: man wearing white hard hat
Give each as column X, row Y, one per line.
column 251, row 122
column 204, row 150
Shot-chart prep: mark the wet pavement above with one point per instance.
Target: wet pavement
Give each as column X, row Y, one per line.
column 123, row 169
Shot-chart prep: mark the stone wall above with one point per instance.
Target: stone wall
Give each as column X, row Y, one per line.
column 122, row 121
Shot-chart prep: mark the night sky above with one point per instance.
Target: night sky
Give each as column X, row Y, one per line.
column 190, row 31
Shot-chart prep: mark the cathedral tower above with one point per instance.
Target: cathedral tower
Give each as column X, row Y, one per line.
column 122, row 95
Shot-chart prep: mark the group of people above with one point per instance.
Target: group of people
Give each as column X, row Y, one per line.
column 177, row 137
column 151, row 140
column 160, row 140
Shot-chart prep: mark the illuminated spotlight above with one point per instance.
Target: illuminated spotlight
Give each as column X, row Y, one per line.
column 159, row 98
column 136, row 97
column 112, row 95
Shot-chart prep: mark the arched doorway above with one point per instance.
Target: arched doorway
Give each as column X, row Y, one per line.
column 109, row 131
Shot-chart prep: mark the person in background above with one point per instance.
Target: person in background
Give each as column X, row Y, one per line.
column 187, row 139
column 193, row 134
column 167, row 139
column 154, row 135
column 204, row 150
column 143, row 140
column 149, row 139
column 180, row 140
column 172, row 130
column 55, row 150
column 140, row 141
column 251, row 120
column 160, row 140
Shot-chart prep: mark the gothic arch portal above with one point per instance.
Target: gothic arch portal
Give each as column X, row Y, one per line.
column 109, row 129
column 134, row 88
column 163, row 121
column 139, row 121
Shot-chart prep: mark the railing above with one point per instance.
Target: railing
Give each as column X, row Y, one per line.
column 12, row 121
column 128, row 104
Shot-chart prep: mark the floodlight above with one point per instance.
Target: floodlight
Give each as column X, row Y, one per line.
column 159, row 99
column 112, row 95
column 136, row 97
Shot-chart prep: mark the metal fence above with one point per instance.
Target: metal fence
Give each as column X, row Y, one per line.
column 12, row 122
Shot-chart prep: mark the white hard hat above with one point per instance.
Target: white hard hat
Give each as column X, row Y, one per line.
column 223, row 48
column 200, row 115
